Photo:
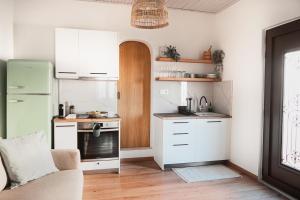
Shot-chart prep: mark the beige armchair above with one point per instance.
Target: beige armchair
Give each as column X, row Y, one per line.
column 66, row 184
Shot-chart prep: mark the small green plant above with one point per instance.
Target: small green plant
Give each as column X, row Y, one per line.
column 171, row 52
column 218, row 57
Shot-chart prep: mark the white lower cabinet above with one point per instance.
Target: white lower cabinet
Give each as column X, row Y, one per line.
column 192, row 140
column 65, row 135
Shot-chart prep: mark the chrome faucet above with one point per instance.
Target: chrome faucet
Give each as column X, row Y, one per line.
column 202, row 108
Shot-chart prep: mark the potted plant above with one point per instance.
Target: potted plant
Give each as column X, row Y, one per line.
column 218, row 57
column 171, row 52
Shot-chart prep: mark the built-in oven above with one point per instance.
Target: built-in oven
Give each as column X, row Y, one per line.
column 98, row 141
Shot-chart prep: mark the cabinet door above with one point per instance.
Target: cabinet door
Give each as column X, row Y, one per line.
column 179, row 141
column 65, row 136
column 27, row 114
column 213, row 137
column 29, row 77
column 99, row 54
column 66, row 53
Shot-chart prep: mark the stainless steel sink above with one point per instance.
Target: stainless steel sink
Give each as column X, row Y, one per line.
column 209, row 114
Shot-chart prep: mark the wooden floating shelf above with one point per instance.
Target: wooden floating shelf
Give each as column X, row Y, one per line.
column 184, row 60
column 188, row 79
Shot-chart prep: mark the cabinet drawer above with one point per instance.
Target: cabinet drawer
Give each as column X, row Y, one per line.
column 179, row 126
column 179, row 153
column 179, row 138
column 99, row 165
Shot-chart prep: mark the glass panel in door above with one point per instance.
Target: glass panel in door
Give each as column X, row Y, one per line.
column 291, row 111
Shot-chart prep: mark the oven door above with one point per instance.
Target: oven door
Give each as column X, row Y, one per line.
column 105, row 146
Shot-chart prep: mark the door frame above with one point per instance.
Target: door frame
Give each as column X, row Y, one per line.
column 269, row 34
column 142, row 152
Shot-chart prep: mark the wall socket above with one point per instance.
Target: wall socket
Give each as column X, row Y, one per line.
column 164, row 92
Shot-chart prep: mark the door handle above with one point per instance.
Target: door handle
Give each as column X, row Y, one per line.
column 16, row 87
column 214, row 121
column 119, row 95
column 180, row 122
column 15, row 101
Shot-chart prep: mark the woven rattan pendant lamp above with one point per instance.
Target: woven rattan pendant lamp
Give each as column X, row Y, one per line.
column 149, row 14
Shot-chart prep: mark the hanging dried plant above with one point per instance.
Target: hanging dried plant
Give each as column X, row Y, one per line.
column 218, row 57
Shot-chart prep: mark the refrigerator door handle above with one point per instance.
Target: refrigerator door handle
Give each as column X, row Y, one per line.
column 15, row 101
column 16, row 87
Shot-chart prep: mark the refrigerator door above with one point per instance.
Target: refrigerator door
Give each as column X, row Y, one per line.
column 27, row 114
column 29, row 77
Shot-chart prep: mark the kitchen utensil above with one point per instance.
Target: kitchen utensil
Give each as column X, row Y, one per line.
column 72, row 109
column 189, row 104
column 211, row 75
column 97, row 130
column 61, row 111
column 82, row 116
column 187, row 75
column 200, row 75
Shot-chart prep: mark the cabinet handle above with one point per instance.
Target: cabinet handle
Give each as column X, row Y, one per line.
column 67, row 72
column 99, row 73
column 180, row 133
column 65, row 126
column 214, row 121
column 15, row 101
column 16, row 87
column 180, row 122
column 178, row 145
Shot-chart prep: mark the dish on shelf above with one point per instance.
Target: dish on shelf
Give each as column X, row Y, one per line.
column 211, row 76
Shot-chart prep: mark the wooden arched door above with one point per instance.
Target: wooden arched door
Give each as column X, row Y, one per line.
column 134, row 94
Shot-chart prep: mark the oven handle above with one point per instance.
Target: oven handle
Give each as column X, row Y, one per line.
column 102, row 130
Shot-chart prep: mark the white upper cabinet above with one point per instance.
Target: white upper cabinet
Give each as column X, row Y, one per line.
column 97, row 54
column 66, row 53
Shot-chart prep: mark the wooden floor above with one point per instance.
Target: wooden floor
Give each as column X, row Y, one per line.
column 143, row 180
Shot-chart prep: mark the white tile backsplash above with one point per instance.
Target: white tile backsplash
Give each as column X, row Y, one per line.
column 222, row 97
column 89, row 95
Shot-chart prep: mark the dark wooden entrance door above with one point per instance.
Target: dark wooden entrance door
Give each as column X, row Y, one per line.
column 281, row 150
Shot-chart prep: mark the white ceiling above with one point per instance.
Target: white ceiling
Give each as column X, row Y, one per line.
column 212, row 6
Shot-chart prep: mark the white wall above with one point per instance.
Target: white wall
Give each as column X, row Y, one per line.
column 6, row 52
column 191, row 32
column 6, row 29
column 241, row 36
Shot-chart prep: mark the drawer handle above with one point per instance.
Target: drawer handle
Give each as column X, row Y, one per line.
column 179, row 145
column 214, row 121
column 65, row 126
column 67, row 72
column 98, row 163
column 180, row 122
column 180, row 133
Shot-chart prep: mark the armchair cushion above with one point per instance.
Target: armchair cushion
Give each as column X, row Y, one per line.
column 3, row 176
column 66, row 159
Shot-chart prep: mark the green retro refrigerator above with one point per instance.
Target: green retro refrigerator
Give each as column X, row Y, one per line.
column 29, row 100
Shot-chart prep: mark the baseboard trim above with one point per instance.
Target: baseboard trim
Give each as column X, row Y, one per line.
column 126, row 160
column 241, row 170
